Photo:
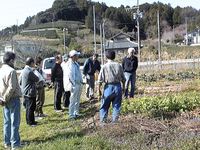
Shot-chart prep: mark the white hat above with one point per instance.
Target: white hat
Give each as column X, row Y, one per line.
column 73, row 53
column 131, row 50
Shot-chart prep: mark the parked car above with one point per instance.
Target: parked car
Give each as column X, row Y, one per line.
column 47, row 64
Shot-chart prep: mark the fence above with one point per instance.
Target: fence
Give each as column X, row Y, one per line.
column 173, row 65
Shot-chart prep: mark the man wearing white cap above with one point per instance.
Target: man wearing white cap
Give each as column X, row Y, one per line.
column 130, row 64
column 73, row 83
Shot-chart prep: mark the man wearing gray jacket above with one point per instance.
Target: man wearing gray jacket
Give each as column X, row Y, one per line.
column 28, row 84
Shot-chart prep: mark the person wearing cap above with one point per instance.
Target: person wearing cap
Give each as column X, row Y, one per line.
column 73, row 83
column 91, row 65
column 57, row 80
column 112, row 75
column 10, row 94
column 130, row 64
column 66, row 94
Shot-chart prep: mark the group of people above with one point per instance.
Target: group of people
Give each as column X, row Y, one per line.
column 67, row 78
column 67, row 81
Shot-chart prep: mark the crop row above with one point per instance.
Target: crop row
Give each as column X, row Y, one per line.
column 168, row 76
column 160, row 105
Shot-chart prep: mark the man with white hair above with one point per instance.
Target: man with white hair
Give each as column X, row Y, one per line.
column 73, row 83
column 130, row 64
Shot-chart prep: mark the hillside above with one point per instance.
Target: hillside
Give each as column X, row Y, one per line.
column 119, row 18
column 47, row 27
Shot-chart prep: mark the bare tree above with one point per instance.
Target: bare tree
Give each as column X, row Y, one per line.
column 28, row 47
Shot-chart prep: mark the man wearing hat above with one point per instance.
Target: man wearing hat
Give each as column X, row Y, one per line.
column 130, row 64
column 73, row 83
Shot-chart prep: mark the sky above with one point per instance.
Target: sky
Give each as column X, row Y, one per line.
column 15, row 12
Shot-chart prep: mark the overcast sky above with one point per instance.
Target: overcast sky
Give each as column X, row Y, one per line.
column 15, row 11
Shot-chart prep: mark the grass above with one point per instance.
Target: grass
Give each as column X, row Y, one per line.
column 56, row 132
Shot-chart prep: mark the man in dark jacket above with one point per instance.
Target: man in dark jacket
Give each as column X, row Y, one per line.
column 130, row 64
column 57, row 80
column 91, row 65
column 28, row 84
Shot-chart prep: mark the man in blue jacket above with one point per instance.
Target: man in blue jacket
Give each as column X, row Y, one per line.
column 91, row 65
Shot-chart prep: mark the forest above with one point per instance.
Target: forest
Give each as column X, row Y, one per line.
column 119, row 18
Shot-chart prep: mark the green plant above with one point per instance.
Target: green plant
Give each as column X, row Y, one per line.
column 160, row 105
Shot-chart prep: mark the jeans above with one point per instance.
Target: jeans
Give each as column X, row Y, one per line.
column 90, row 86
column 130, row 78
column 11, row 113
column 112, row 93
column 75, row 101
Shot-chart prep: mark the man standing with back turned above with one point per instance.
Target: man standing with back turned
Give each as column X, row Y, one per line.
column 112, row 75
column 10, row 92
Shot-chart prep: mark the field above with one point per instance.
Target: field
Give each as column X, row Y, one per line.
column 164, row 115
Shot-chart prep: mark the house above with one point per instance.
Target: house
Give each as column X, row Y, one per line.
column 121, row 42
column 192, row 38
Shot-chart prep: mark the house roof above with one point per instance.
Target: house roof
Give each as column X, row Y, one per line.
column 121, row 41
column 121, row 34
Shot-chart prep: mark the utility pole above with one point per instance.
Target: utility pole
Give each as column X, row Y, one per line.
column 173, row 35
column 138, row 29
column 186, row 30
column 64, row 39
column 94, row 20
column 104, row 43
column 159, row 40
column 17, row 26
column 137, row 16
column 101, row 44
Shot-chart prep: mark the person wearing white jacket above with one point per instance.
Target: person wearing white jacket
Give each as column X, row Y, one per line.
column 72, row 80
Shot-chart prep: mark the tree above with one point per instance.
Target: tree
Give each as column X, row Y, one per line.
column 89, row 19
column 177, row 16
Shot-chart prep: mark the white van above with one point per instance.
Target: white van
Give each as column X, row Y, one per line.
column 47, row 64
